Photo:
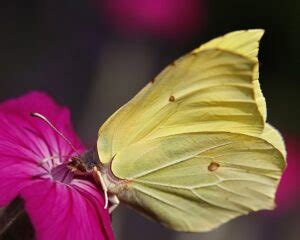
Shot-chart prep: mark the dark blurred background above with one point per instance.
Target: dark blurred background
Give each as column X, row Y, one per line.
column 94, row 55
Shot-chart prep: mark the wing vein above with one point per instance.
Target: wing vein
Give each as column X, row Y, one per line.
column 142, row 174
column 201, row 198
column 152, row 195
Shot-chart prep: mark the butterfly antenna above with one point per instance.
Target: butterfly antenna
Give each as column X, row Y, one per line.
column 40, row 116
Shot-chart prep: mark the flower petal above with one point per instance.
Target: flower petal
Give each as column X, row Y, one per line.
column 288, row 194
column 60, row 211
column 30, row 155
column 25, row 141
column 20, row 108
column 12, row 179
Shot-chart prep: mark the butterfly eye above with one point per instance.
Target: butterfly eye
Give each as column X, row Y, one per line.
column 213, row 166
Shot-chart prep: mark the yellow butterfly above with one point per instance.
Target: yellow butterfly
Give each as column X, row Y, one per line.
column 192, row 149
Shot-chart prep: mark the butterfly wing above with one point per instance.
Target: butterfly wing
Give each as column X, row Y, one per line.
column 197, row 181
column 213, row 88
column 193, row 145
column 245, row 43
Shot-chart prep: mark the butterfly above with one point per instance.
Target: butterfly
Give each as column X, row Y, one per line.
column 192, row 149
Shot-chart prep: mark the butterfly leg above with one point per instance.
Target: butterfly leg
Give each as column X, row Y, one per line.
column 99, row 179
column 114, row 200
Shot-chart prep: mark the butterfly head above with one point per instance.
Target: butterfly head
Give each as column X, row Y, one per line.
column 85, row 163
column 77, row 166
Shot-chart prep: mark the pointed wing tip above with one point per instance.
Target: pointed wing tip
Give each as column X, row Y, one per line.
column 258, row 32
column 228, row 41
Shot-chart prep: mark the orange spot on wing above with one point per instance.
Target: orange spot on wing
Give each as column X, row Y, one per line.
column 171, row 98
column 213, row 166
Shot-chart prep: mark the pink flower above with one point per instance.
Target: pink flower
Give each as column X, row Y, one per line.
column 288, row 194
column 33, row 166
column 166, row 18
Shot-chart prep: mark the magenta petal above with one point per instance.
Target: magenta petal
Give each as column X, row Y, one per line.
column 25, row 141
column 288, row 194
column 59, row 211
column 168, row 18
column 32, row 166
column 20, row 108
column 11, row 182
column 17, row 160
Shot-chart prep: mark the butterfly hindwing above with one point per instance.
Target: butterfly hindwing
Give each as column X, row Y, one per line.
column 196, row 181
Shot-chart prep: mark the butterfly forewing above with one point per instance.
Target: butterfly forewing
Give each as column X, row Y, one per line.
column 209, row 89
